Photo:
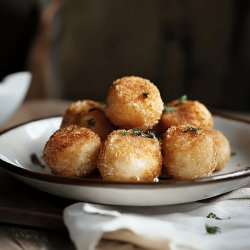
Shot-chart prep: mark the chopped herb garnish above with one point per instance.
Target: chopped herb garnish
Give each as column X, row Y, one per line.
column 213, row 216
column 182, row 99
column 150, row 134
column 139, row 132
column 212, row 230
column 233, row 153
column 145, row 95
column 191, row 128
column 169, row 109
column 124, row 133
column 91, row 122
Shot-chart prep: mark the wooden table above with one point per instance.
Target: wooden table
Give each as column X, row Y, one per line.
column 31, row 219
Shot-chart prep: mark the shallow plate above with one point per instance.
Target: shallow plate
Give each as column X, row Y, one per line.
column 18, row 144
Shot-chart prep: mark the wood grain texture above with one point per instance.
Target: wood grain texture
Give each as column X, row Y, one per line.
column 20, row 238
column 21, row 204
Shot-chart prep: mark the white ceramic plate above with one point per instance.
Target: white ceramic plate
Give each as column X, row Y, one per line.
column 19, row 143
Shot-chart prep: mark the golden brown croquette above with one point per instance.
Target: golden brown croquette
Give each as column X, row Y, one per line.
column 76, row 107
column 72, row 151
column 130, row 156
column 181, row 111
column 89, row 114
column 188, row 152
column 134, row 102
column 188, row 147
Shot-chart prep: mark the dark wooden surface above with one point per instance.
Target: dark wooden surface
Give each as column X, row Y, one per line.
column 30, row 219
column 24, row 205
column 16, row 237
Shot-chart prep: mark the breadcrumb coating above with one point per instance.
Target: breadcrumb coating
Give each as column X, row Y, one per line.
column 89, row 114
column 126, row 156
column 72, row 151
column 134, row 102
column 189, row 112
column 223, row 149
column 189, row 149
column 188, row 152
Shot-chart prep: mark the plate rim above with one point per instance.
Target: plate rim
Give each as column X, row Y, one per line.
column 77, row 181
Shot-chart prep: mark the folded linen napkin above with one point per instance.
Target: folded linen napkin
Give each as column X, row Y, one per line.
column 183, row 226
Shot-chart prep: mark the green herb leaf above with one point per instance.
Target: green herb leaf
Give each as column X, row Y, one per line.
column 124, row 133
column 213, row 216
column 182, row 99
column 137, row 131
column 191, row 128
column 212, row 229
column 150, row 134
column 169, row 109
column 145, row 95
column 233, row 153
column 91, row 122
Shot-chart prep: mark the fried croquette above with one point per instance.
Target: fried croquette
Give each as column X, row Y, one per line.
column 134, row 102
column 130, row 156
column 89, row 114
column 183, row 111
column 77, row 107
column 188, row 152
column 72, row 151
column 223, row 149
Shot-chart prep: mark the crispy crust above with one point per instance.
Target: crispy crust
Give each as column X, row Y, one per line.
column 125, row 156
column 188, row 153
column 190, row 112
column 223, row 149
column 83, row 112
column 134, row 102
column 72, row 151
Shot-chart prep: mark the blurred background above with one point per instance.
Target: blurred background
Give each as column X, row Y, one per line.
column 76, row 49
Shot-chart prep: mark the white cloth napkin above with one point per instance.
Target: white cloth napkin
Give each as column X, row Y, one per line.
column 174, row 227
